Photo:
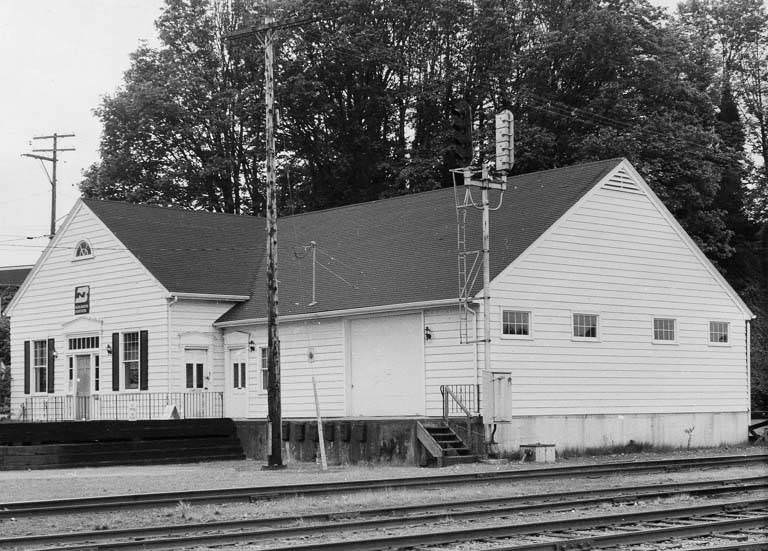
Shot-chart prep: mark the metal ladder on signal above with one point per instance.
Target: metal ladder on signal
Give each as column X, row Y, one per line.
column 469, row 266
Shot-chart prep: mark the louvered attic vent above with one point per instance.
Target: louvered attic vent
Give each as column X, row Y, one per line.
column 622, row 181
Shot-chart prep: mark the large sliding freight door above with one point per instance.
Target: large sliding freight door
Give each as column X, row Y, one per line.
column 386, row 372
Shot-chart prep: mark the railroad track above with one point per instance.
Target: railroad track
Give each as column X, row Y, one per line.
column 279, row 528
column 102, row 503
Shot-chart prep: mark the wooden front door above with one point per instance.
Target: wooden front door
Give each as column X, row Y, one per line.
column 82, row 385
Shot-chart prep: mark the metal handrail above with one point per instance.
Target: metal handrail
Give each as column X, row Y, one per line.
column 448, row 394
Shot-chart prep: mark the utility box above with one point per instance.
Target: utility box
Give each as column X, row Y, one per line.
column 538, row 453
column 497, row 397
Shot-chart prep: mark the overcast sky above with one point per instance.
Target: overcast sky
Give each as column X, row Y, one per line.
column 57, row 59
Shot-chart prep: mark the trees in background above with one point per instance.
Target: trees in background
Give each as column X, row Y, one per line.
column 370, row 94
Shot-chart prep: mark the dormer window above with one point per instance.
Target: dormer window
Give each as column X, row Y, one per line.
column 83, row 250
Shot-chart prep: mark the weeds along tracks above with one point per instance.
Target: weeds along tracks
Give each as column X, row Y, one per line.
column 103, row 503
column 267, row 530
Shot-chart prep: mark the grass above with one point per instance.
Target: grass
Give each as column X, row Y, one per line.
column 629, row 447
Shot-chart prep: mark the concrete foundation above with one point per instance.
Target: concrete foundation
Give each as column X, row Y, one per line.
column 679, row 430
column 347, row 441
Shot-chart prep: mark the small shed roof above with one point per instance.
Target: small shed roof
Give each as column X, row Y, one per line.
column 391, row 251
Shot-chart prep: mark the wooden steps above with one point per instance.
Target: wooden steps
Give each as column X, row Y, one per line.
column 443, row 445
column 94, row 443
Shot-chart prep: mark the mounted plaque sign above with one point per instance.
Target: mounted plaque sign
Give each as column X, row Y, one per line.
column 82, row 299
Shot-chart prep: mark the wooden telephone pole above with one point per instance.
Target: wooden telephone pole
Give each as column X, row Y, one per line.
column 266, row 35
column 53, row 159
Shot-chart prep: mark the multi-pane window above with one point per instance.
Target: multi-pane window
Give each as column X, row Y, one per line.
column 131, row 360
column 585, row 326
column 194, row 375
column 238, row 374
column 663, row 329
column 718, row 332
column 264, row 368
column 516, row 323
column 40, row 365
column 83, row 250
column 96, row 372
column 83, row 343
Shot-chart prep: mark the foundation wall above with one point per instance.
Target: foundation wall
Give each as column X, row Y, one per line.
column 678, row 430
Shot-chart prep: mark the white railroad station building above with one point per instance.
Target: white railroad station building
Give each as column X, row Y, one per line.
column 608, row 322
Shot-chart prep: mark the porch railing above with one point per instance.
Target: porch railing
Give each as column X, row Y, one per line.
column 132, row 406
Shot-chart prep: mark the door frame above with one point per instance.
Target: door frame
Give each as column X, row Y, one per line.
column 229, row 382
column 349, row 401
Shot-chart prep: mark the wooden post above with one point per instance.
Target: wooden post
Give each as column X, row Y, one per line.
column 273, row 341
column 320, row 436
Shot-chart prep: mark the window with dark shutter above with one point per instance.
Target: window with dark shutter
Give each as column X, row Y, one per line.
column 27, row 367
column 143, row 360
column 115, row 361
column 51, row 364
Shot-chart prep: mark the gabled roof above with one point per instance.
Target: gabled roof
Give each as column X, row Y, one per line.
column 13, row 276
column 391, row 251
column 187, row 251
column 404, row 250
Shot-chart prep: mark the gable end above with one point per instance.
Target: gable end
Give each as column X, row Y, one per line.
column 622, row 181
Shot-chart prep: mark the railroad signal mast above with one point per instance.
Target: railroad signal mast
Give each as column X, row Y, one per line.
column 486, row 178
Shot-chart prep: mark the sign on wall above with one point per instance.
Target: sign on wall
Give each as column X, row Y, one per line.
column 82, row 299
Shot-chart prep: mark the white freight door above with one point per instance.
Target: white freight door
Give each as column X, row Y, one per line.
column 387, row 366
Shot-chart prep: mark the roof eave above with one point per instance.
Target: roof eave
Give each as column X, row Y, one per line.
column 344, row 312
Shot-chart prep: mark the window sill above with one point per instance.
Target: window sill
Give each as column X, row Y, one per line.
column 719, row 344
column 517, row 337
column 81, row 258
column 665, row 343
column 586, row 339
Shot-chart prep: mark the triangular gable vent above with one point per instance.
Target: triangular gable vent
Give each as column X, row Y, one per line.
column 622, row 181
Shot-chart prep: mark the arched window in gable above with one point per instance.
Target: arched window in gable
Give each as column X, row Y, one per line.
column 83, row 250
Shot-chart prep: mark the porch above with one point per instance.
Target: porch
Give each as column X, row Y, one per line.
column 122, row 406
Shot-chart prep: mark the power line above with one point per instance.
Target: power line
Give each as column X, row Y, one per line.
column 54, row 150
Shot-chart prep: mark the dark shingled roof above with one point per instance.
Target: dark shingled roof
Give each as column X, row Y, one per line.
column 13, row 276
column 391, row 251
column 188, row 252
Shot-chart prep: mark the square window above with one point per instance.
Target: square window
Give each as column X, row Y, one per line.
column 664, row 329
column 718, row 332
column 516, row 323
column 585, row 326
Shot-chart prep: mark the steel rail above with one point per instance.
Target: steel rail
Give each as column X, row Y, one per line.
column 545, row 502
column 470, row 534
column 646, row 536
column 17, row 508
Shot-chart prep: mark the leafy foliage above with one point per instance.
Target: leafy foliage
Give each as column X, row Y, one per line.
column 366, row 89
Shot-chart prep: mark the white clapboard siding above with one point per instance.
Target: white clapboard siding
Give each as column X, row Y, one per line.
column 615, row 255
column 447, row 362
column 123, row 294
column 325, row 340
column 192, row 327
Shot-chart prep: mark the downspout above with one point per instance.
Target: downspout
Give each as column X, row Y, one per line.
column 477, row 362
column 172, row 299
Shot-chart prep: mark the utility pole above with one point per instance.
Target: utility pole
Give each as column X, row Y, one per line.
column 53, row 159
column 468, row 259
column 266, row 35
